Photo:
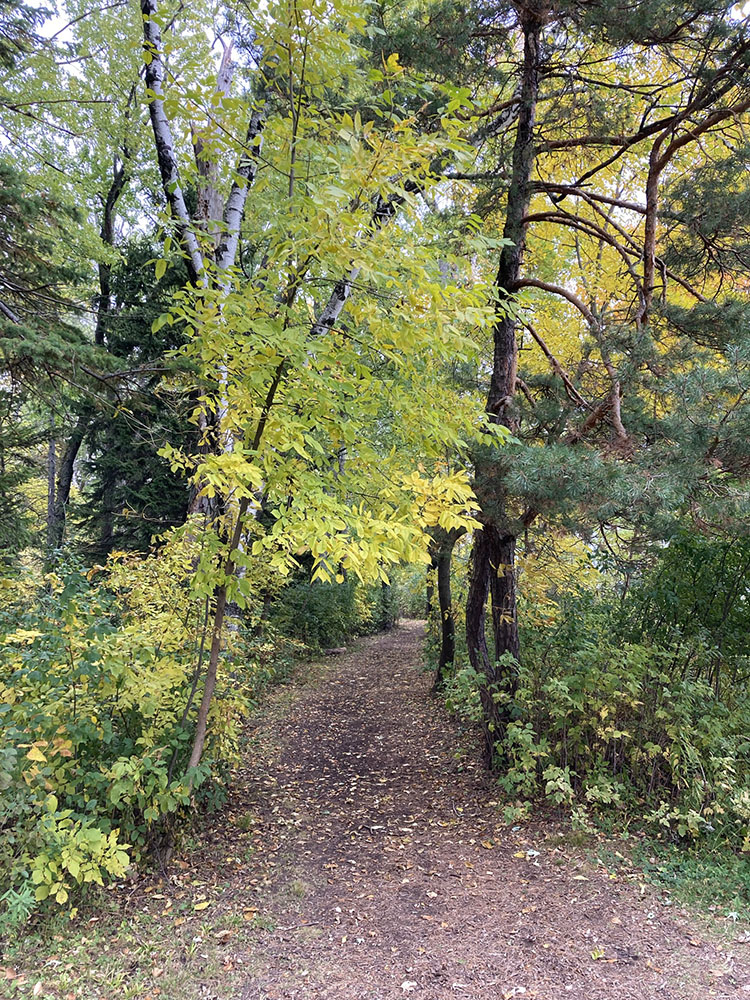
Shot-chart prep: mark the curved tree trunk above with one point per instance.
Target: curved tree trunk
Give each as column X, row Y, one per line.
column 64, row 480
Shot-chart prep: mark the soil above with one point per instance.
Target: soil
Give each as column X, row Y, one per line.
column 381, row 866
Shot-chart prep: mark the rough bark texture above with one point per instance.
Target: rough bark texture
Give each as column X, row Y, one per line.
column 447, row 620
column 493, row 576
column 493, row 558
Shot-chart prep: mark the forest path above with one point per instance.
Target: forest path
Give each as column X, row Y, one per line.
column 381, row 867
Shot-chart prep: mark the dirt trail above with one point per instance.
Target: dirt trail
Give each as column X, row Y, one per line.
column 382, row 868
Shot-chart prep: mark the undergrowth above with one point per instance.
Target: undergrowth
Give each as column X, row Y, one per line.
column 100, row 679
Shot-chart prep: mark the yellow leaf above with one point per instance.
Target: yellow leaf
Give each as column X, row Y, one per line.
column 203, row 905
column 36, row 754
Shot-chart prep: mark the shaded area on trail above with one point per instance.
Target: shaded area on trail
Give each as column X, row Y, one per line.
column 383, row 868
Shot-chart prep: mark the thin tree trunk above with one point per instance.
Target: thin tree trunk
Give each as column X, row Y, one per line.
column 430, row 589
column 332, row 311
column 442, row 561
column 447, row 619
column 51, row 470
column 201, row 725
column 64, row 481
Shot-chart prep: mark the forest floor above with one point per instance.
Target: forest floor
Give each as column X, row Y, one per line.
column 362, row 854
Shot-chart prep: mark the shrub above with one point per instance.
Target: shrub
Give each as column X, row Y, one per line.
column 604, row 723
column 98, row 690
column 323, row 615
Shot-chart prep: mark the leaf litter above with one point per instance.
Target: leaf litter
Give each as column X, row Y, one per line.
column 381, row 856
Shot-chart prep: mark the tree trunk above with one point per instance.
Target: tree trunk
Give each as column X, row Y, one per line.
column 51, row 469
column 201, row 725
column 64, row 482
column 430, row 589
column 442, row 561
column 493, row 575
column 493, row 556
column 447, row 621
column 503, row 594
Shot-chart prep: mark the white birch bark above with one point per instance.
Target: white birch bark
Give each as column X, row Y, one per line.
column 164, row 141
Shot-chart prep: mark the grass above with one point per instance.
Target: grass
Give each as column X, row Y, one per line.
column 712, row 879
column 147, row 954
column 707, row 878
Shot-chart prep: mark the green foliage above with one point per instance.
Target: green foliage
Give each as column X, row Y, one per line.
column 462, row 694
column 637, row 708
column 16, row 514
column 37, row 271
column 708, row 873
column 129, row 492
column 698, row 589
column 97, row 685
column 607, row 723
column 323, row 615
column 17, row 23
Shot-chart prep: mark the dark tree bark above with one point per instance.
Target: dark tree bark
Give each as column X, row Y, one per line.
column 66, row 468
column 446, row 542
column 493, row 557
column 493, row 575
column 51, row 467
column 64, row 481
column 430, row 589
column 107, row 233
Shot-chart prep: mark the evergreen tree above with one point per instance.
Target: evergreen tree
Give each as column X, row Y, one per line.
column 130, row 492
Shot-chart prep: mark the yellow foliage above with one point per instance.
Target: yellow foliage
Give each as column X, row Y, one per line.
column 561, row 565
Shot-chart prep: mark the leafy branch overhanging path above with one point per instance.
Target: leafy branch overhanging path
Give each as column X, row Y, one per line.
column 385, row 871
